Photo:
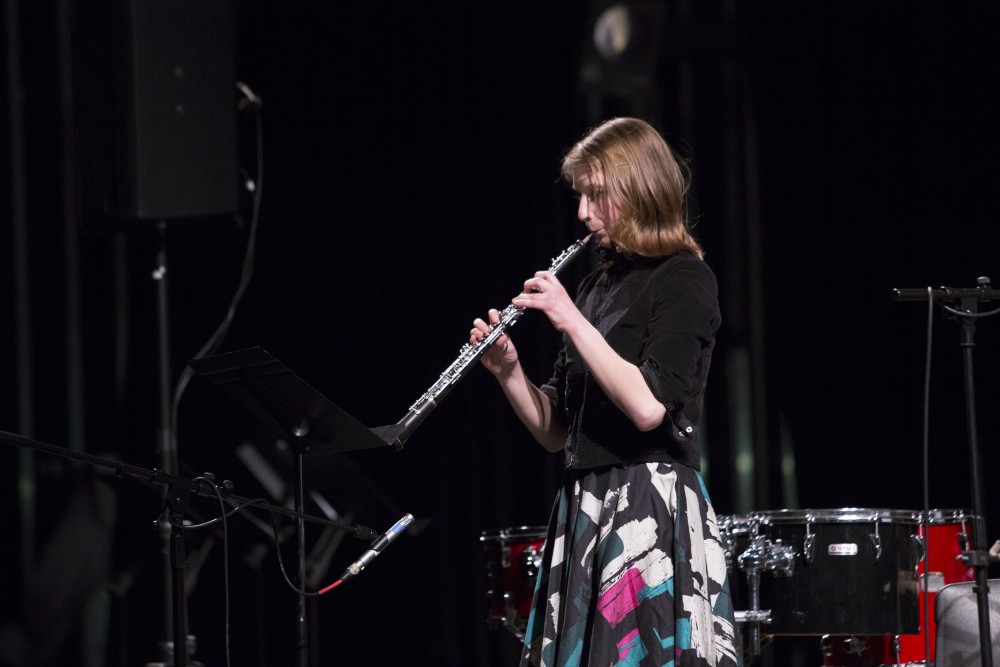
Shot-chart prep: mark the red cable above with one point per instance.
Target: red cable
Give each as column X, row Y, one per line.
column 330, row 587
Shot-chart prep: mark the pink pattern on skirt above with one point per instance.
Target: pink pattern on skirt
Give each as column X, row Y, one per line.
column 621, row 598
column 627, row 643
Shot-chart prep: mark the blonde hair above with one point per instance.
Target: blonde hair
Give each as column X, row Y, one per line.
column 644, row 180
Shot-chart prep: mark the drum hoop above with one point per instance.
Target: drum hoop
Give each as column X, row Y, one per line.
column 517, row 534
column 839, row 515
column 733, row 523
column 938, row 516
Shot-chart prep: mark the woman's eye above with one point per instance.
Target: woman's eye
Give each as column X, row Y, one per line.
column 593, row 195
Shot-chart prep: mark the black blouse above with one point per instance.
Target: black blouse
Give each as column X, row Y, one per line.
column 661, row 315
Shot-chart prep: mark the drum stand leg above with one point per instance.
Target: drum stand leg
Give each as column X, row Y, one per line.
column 753, row 584
column 753, row 561
column 754, row 616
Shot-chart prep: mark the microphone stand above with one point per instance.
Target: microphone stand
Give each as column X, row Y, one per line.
column 967, row 313
column 178, row 492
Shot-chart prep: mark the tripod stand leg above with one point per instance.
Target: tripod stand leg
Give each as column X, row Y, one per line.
column 301, row 619
column 178, row 557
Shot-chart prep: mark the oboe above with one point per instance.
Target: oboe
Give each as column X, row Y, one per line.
column 396, row 434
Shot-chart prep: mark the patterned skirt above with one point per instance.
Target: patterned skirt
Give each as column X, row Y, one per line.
column 633, row 574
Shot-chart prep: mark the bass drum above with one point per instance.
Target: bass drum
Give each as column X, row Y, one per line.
column 513, row 556
column 850, row 571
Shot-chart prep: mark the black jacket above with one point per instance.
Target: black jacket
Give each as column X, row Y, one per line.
column 661, row 315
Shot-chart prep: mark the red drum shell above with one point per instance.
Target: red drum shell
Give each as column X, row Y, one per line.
column 948, row 534
column 513, row 556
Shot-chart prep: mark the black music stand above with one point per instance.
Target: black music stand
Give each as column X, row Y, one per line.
column 291, row 408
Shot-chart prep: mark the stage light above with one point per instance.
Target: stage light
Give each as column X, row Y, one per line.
column 613, row 31
column 621, row 58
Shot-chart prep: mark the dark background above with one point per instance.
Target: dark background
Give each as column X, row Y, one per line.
column 411, row 156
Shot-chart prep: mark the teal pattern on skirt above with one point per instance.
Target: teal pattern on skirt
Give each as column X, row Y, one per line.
column 633, row 574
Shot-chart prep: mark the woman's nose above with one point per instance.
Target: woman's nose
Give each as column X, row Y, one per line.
column 583, row 208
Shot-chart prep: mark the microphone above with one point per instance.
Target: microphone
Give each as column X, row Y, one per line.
column 377, row 546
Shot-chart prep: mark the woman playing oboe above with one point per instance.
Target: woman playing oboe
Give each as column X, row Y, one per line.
column 633, row 572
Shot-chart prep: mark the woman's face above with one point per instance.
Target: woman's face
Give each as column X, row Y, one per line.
column 595, row 208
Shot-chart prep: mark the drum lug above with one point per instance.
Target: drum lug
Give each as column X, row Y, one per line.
column 826, row 646
column 509, row 618
column 809, row 548
column 809, row 541
column 855, row 646
column 919, row 551
column 876, row 545
column 876, row 541
column 531, row 561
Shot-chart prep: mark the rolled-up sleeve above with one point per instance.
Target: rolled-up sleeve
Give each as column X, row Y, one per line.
column 684, row 318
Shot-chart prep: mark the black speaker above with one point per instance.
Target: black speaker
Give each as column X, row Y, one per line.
column 956, row 612
column 156, row 109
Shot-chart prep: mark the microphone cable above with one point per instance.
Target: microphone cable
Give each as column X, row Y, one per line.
column 925, row 519
column 250, row 100
column 284, row 572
